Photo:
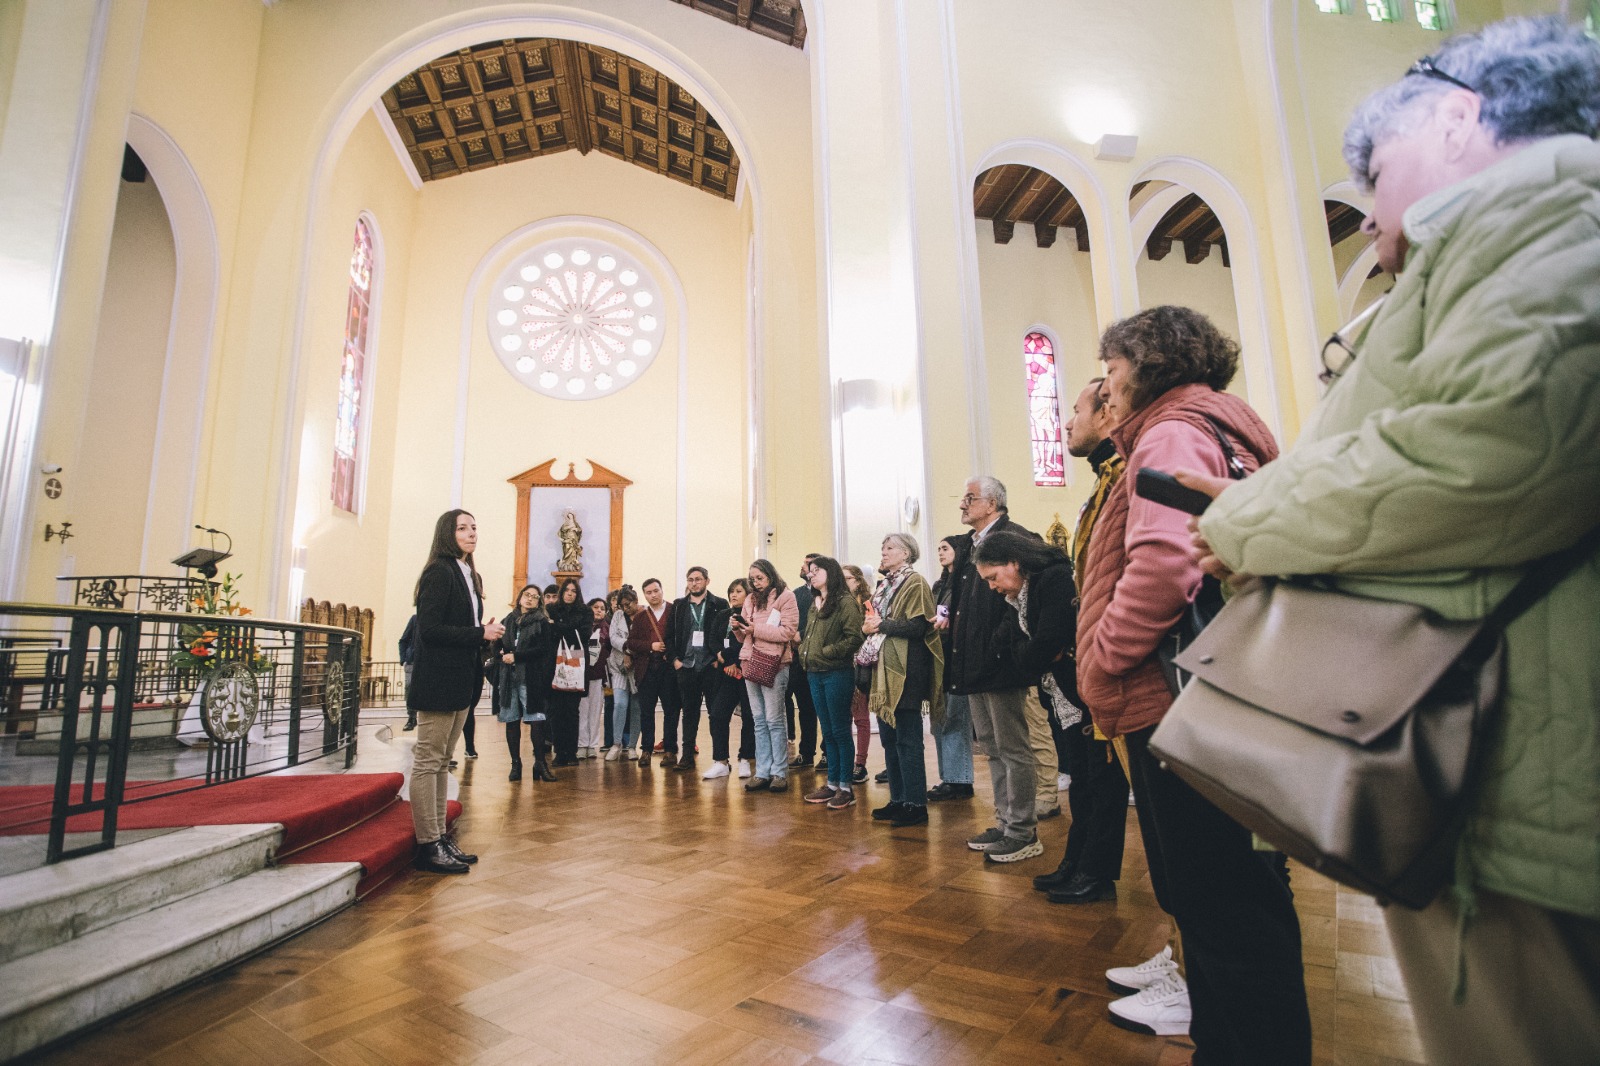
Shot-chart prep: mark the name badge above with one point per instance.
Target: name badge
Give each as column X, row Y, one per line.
column 697, row 639
column 774, row 618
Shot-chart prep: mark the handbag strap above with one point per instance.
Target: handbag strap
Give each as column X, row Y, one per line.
column 1540, row 579
column 1235, row 465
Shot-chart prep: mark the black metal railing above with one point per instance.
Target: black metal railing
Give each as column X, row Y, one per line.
column 383, row 684
column 100, row 709
column 137, row 592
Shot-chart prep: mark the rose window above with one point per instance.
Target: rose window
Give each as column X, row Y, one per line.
column 576, row 318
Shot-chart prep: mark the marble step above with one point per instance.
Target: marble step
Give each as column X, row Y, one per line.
column 52, row 905
column 66, row 988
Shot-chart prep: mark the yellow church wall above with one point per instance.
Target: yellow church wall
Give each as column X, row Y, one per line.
column 312, row 60
column 509, row 428
column 341, row 563
column 1206, row 286
column 124, row 393
column 58, row 40
column 1025, row 286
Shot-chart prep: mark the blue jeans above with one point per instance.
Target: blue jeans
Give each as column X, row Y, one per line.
column 624, row 725
column 955, row 742
column 830, row 694
column 772, row 733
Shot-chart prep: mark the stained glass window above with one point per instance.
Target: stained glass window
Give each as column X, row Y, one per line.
column 1383, row 11
column 1431, row 14
column 352, row 372
column 1044, row 410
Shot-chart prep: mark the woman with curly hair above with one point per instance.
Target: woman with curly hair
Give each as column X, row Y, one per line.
column 1242, row 998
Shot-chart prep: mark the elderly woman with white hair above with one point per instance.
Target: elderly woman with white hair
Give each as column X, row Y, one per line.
column 906, row 661
column 1456, row 449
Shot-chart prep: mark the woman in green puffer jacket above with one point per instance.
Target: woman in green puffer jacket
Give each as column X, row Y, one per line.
column 827, row 654
column 1460, row 446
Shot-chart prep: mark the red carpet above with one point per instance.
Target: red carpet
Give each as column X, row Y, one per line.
column 326, row 817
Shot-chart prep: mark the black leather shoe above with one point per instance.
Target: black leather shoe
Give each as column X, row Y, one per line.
column 435, row 858
column 910, row 814
column 1057, row 878
column 455, row 851
column 882, row 777
column 1083, row 889
column 888, row 812
column 541, row 772
column 516, row 771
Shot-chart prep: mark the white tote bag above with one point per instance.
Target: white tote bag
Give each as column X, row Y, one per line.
column 569, row 669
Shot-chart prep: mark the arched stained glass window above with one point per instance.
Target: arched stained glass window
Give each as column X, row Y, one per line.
column 352, row 372
column 1044, row 410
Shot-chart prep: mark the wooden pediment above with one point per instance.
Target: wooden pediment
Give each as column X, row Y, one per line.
column 545, row 474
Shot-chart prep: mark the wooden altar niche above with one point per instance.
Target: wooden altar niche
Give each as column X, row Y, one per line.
column 543, row 476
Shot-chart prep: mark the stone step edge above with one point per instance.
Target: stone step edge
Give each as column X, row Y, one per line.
column 128, row 862
column 100, row 957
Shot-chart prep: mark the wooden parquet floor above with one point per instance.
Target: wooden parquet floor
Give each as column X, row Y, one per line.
column 624, row 916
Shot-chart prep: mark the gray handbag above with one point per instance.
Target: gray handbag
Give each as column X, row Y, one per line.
column 1345, row 731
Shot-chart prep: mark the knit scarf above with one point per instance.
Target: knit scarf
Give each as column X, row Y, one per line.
column 882, row 596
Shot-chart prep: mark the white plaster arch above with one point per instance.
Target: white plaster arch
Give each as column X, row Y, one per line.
column 186, row 373
column 1110, row 270
column 356, row 94
column 1354, row 280
column 1244, row 244
column 472, row 326
column 1150, row 214
column 1355, row 275
column 1345, row 192
column 1086, row 188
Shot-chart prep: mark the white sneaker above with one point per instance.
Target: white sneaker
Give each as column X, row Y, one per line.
column 1063, row 782
column 1147, row 973
column 1161, row 1009
column 744, row 768
column 718, row 769
column 615, row 753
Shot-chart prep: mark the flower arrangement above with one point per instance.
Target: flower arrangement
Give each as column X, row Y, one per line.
column 201, row 648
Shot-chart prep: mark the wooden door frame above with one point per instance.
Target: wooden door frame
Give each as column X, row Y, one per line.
column 543, row 476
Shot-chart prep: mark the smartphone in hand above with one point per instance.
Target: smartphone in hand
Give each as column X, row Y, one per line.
column 1165, row 489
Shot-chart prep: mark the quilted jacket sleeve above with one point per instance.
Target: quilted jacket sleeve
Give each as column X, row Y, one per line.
column 1480, row 453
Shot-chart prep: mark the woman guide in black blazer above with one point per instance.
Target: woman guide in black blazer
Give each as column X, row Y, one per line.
column 448, row 675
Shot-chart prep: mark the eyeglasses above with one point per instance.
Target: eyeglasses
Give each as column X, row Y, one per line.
column 1427, row 68
column 1344, row 355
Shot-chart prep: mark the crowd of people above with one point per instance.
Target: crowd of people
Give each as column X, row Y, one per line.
column 1456, row 447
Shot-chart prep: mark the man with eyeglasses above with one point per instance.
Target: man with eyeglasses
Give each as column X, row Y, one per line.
column 983, row 630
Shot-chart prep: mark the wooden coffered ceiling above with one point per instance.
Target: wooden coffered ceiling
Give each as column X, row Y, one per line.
column 1192, row 224
column 1343, row 220
column 509, row 100
column 782, row 20
column 1014, row 193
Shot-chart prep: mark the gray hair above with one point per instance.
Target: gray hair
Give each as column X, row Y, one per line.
column 907, row 543
column 1536, row 77
column 990, row 488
